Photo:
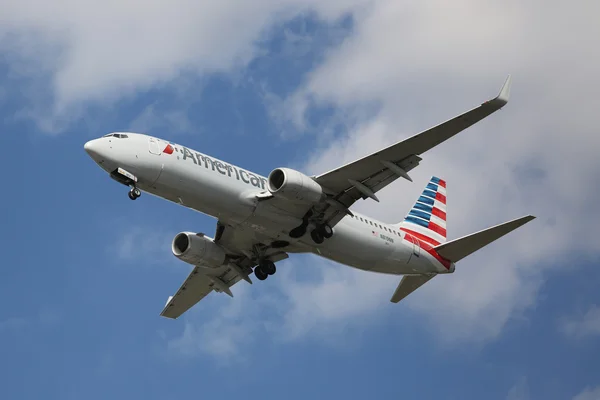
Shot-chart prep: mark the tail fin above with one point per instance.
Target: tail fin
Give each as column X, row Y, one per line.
column 427, row 218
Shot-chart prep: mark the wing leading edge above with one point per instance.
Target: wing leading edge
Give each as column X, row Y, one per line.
column 364, row 177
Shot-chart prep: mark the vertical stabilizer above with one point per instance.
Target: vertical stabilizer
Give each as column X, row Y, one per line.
column 427, row 219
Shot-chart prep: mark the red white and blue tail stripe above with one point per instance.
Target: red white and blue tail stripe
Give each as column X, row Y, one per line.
column 427, row 219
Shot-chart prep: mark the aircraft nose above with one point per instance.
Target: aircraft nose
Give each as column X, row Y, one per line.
column 92, row 148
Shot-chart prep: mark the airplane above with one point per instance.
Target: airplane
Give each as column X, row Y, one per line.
column 261, row 220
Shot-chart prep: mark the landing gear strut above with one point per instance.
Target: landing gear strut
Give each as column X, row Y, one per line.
column 318, row 235
column 134, row 193
column 264, row 269
column 300, row 231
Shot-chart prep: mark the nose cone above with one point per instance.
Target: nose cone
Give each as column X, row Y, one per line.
column 93, row 149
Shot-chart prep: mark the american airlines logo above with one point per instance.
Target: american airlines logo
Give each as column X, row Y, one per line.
column 219, row 166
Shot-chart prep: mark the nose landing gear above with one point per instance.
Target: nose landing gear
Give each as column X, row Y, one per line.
column 134, row 193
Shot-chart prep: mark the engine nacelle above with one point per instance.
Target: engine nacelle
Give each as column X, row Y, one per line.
column 198, row 249
column 294, row 186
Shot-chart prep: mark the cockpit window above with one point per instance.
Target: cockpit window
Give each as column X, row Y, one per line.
column 117, row 135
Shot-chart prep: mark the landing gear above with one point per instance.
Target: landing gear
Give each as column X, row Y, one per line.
column 327, row 231
column 260, row 274
column 134, row 193
column 264, row 269
column 268, row 266
column 321, row 233
column 298, row 231
column 317, row 236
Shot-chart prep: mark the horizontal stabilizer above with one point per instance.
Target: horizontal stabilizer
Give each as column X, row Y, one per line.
column 458, row 249
column 409, row 284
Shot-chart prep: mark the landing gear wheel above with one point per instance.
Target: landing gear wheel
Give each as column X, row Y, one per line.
column 268, row 267
column 317, row 236
column 298, row 232
column 260, row 274
column 326, row 231
column 134, row 193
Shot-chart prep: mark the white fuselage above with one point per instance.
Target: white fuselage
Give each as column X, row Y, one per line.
column 227, row 192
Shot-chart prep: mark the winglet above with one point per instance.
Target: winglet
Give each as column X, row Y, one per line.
column 504, row 94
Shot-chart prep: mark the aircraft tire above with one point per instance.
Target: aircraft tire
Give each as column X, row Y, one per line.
column 260, row 274
column 269, row 267
column 131, row 195
column 317, row 236
column 327, row 231
column 298, row 232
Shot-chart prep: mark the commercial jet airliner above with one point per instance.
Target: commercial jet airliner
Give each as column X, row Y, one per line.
column 261, row 220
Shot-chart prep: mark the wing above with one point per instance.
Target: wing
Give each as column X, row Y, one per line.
column 365, row 177
column 241, row 247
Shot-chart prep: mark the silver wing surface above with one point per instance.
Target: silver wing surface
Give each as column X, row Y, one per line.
column 363, row 178
column 241, row 246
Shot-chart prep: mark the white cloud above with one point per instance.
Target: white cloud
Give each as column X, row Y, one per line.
column 144, row 244
column 221, row 335
column 95, row 51
column 589, row 394
column 583, row 325
column 307, row 298
column 150, row 120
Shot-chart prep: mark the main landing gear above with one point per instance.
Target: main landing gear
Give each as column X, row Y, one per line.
column 264, row 269
column 318, row 235
column 134, row 193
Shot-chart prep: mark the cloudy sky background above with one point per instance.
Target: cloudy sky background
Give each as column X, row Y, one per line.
column 309, row 85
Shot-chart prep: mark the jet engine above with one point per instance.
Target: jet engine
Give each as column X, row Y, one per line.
column 198, row 249
column 294, row 186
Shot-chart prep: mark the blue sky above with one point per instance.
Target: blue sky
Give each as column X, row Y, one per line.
column 86, row 271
